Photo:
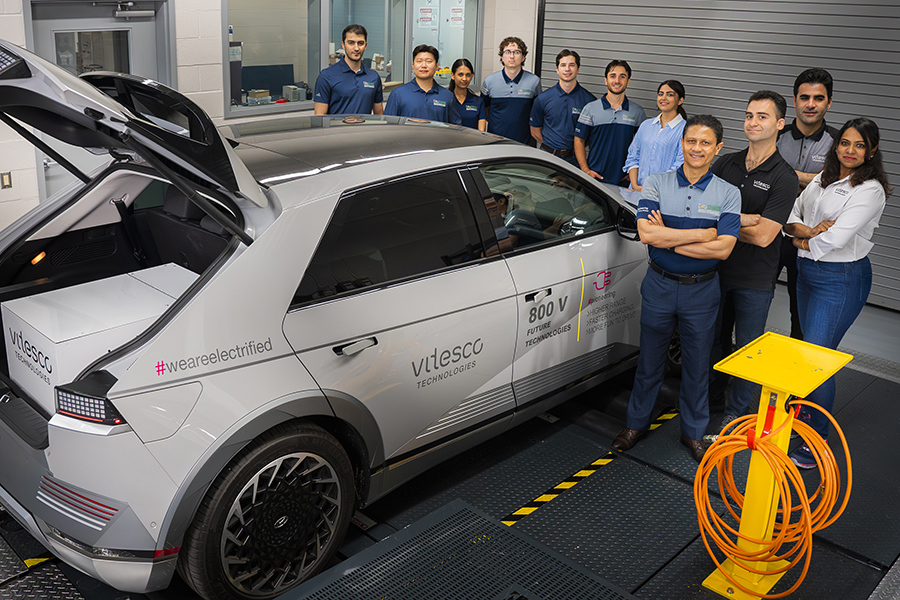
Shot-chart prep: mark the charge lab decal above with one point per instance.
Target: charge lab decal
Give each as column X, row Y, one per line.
column 604, row 310
column 444, row 364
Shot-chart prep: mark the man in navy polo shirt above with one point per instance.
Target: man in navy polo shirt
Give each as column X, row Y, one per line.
column 556, row 111
column 607, row 126
column 423, row 97
column 348, row 87
column 509, row 93
column 690, row 220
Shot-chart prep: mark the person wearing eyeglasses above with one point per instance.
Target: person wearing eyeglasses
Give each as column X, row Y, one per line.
column 509, row 93
column 423, row 97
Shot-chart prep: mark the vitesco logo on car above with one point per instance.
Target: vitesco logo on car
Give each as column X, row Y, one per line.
column 446, row 359
column 31, row 356
column 251, row 348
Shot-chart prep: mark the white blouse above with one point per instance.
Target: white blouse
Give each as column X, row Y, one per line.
column 854, row 210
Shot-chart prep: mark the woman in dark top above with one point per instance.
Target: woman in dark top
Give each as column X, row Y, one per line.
column 471, row 107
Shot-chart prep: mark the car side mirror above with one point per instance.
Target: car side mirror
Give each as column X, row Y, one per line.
column 626, row 224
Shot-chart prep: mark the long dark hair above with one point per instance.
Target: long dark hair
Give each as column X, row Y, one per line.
column 459, row 62
column 872, row 167
column 679, row 90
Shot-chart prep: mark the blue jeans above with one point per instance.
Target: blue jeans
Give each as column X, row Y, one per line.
column 692, row 307
column 751, row 309
column 829, row 298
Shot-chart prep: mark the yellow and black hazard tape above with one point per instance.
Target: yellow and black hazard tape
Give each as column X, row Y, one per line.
column 569, row 483
column 558, row 489
column 662, row 418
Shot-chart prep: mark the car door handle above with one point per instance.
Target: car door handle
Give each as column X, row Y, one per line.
column 537, row 296
column 354, row 347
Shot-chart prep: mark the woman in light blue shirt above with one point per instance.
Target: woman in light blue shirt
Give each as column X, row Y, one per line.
column 656, row 147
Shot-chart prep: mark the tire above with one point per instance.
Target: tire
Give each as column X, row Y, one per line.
column 273, row 518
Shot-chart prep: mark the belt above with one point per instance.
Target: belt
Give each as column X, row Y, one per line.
column 686, row 279
column 554, row 152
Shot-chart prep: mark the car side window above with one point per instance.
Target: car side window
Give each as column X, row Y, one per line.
column 538, row 203
column 393, row 231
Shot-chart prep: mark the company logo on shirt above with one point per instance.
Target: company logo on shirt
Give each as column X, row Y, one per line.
column 818, row 158
column 761, row 185
column 441, row 103
column 576, row 111
column 369, row 84
column 628, row 118
column 471, row 107
column 708, row 209
column 525, row 91
column 842, row 191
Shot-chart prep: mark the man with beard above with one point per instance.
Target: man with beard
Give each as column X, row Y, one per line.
column 348, row 87
column 804, row 145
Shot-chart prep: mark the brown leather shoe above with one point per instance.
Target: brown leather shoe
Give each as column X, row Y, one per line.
column 695, row 446
column 627, row 438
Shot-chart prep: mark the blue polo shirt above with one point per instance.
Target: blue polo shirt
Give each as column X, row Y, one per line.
column 557, row 112
column 437, row 104
column 608, row 133
column 509, row 103
column 711, row 202
column 347, row 92
column 471, row 110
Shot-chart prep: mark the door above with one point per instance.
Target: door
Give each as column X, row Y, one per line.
column 83, row 45
column 451, row 27
column 400, row 311
column 577, row 281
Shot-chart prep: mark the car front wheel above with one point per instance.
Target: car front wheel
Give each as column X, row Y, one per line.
column 273, row 518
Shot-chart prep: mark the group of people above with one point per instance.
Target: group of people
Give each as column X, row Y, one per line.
column 803, row 196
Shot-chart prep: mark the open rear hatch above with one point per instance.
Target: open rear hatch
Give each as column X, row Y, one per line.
column 124, row 114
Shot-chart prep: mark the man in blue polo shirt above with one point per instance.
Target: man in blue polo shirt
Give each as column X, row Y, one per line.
column 423, row 97
column 348, row 87
column 556, row 111
column 690, row 220
column 607, row 126
column 509, row 93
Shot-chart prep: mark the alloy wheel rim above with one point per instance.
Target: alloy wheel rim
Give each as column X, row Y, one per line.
column 280, row 524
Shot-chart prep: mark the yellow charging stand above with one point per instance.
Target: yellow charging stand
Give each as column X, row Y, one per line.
column 784, row 367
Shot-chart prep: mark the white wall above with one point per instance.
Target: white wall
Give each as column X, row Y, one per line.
column 16, row 155
column 503, row 18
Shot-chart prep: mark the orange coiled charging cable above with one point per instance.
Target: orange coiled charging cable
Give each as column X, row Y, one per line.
column 794, row 524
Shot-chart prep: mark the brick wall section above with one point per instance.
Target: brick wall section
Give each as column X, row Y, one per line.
column 16, row 155
column 504, row 18
column 198, row 46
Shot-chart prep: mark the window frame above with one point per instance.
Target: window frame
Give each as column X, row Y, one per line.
column 591, row 191
column 477, row 224
column 236, row 112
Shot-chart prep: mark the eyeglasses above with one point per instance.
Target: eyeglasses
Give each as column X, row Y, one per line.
column 512, row 52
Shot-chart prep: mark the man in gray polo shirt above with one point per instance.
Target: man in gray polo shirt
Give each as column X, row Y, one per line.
column 804, row 146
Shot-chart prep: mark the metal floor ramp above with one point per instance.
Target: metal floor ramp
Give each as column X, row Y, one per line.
column 458, row 553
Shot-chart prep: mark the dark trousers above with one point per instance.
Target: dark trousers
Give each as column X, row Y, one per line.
column 693, row 308
column 789, row 259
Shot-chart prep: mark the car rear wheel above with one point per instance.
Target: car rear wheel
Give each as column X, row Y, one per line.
column 273, row 518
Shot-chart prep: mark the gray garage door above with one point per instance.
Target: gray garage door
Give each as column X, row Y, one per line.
column 723, row 50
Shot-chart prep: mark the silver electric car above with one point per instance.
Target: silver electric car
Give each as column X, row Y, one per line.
column 224, row 341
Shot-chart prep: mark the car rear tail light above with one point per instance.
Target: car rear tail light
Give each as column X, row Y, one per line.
column 86, row 400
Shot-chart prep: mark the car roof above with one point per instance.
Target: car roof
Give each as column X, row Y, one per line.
column 279, row 150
